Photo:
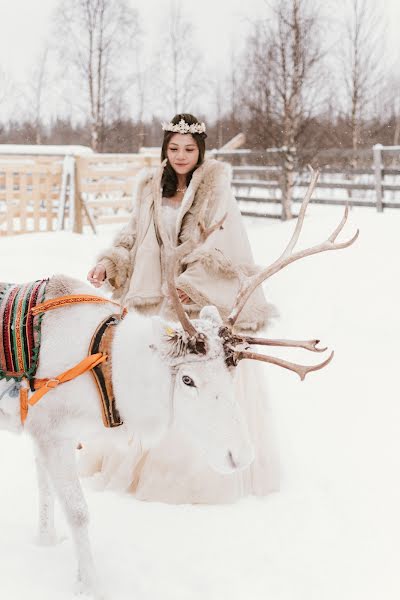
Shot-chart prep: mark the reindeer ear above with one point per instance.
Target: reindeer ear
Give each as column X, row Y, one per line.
column 162, row 330
column 211, row 314
column 176, row 342
column 169, row 341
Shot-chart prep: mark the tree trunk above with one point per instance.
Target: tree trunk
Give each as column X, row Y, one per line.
column 354, row 140
column 94, row 137
column 38, row 134
column 288, row 164
column 396, row 136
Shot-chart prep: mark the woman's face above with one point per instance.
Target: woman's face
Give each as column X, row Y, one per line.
column 182, row 153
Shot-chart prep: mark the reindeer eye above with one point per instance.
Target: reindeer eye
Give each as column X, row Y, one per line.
column 188, row 381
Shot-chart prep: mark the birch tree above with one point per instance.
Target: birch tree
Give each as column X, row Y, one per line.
column 180, row 73
column 7, row 91
column 37, row 89
column 96, row 43
column 284, row 80
column 362, row 60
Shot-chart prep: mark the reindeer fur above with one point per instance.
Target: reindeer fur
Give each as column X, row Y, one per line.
column 150, row 359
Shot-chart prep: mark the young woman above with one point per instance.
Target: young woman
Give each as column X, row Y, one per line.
column 169, row 202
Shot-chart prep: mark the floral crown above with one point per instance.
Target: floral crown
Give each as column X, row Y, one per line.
column 183, row 127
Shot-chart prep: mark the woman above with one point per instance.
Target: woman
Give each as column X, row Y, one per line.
column 170, row 202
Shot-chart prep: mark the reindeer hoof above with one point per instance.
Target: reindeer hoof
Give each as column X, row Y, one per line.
column 49, row 539
column 85, row 591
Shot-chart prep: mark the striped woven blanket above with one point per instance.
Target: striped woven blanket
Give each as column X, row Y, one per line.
column 19, row 330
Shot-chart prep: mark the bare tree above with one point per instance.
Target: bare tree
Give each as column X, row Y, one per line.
column 142, row 76
column 180, row 70
column 257, row 85
column 219, row 106
column 283, row 75
column 37, row 85
column 361, row 63
column 7, row 90
column 3, row 85
column 97, row 39
column 396, row 117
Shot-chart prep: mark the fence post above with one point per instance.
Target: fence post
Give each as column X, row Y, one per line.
column 378, row 169
column 77, row 226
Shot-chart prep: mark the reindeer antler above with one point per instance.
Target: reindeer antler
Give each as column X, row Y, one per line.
column 301, row 370
column 174, row 254
column 247, row 285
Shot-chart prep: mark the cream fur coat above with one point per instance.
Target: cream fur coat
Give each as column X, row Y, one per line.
column 134, row 263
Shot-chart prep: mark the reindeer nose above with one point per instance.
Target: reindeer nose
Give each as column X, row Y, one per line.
column 231, row 460
column 242, row 459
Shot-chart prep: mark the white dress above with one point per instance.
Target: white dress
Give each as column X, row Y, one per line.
column 174, row 471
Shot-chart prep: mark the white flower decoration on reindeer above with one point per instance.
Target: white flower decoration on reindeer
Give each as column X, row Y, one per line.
column 183, row 127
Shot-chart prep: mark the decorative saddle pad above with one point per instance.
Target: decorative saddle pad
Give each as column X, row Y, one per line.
column 19, row 329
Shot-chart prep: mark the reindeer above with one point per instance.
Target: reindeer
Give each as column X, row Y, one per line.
column 161, row 373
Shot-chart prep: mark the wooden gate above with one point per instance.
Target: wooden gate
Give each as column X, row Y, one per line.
column 104, row 185
column 29, row 192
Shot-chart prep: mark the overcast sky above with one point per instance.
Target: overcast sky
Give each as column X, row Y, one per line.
column 25, row 25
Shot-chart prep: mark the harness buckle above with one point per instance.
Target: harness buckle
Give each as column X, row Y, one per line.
column 52, row 383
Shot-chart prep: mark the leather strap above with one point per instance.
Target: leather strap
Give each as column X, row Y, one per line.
column 101, row 342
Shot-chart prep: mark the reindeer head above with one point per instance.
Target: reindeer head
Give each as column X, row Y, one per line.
column 203, row 401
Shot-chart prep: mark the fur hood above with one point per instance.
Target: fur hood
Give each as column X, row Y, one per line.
column 209, row 275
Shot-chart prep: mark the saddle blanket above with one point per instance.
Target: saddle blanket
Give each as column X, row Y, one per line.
column 19, row 329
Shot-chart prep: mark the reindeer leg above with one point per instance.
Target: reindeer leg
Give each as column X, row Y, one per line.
column 47, row 533
column 60, row 463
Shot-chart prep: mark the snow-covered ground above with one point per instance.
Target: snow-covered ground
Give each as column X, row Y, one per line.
column 333, row 532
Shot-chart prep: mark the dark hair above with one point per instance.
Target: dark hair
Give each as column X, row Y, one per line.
column 169, row 181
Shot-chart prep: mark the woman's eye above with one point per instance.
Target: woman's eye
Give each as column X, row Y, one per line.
column 188, row 381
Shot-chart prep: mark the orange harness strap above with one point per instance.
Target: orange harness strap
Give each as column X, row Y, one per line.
column 67, row 300
column 23, row 403
column 42, row 386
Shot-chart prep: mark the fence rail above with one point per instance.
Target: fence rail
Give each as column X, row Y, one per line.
column 104, row 186
column 46, row 193
column 261, row 186
column 29, row 192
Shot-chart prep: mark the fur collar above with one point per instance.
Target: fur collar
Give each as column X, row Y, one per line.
column 207, row 179
column 212, row 173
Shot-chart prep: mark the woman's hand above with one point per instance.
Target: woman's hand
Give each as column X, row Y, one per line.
column 184, row 297
column 97, row 275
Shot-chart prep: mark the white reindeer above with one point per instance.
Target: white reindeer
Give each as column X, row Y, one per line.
column 161, row 373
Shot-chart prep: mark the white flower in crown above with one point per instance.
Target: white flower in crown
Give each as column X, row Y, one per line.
column 183, row 127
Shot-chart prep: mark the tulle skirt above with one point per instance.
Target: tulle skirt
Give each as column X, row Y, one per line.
column 175, row 472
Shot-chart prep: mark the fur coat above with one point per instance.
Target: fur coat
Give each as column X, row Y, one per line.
column 208, row 275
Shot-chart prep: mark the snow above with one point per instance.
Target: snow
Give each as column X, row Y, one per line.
column 44, row 150
column 333, row 531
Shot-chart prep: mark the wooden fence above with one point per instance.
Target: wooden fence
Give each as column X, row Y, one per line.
column 258, row 188
column 36, row 195
column 45, row 193
column 104, row 186
column 29, row 192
